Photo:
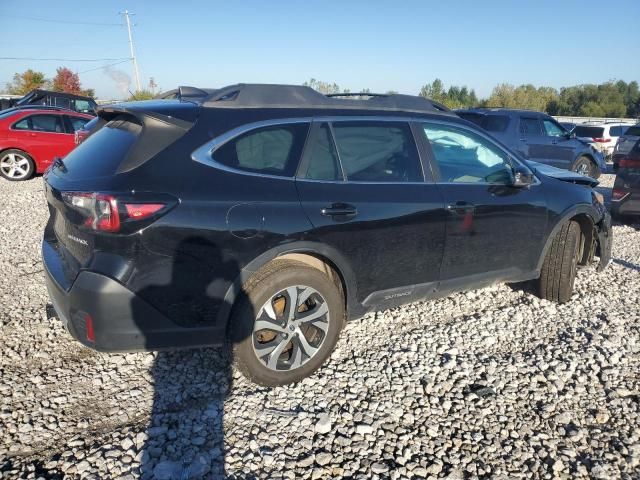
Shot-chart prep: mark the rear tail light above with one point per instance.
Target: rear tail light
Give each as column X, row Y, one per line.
column 629, row 163
column 618, row 194
column 88, row 323
column 601, row 140
column 107, row 213
column 142, row 210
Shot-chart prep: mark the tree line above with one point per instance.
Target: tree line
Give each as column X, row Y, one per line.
column 609, row 99
column 66, row 81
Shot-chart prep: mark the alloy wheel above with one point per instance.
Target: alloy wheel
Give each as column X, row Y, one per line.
column 290, row 328
column 583, row 169
column 14, row 166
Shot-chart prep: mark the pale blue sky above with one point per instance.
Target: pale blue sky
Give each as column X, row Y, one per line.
column 380, row 45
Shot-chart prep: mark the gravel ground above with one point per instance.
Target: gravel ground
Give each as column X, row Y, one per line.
column 491, row 383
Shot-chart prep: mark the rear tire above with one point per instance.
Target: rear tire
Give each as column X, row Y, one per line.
column 558, row 272
column 585, row 166
column 297, row 346
column 16, row 165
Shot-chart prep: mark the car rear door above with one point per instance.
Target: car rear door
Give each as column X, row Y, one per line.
column 361, row 184
column 43, row 136
column 493, row 230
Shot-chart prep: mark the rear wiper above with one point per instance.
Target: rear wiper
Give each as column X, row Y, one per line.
column 58, row 163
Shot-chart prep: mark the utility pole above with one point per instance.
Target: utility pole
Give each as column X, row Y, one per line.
column 127, row 14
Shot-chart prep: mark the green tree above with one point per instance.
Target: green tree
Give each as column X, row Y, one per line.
column 26, row 81
column 141, row 95
column 454, row 97
column 524, row 96
column 323, row 87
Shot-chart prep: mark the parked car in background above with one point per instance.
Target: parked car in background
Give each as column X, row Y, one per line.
column 32, row 137
column 267, row 215
column 628, row 141
column 625, row 196
column 602, row 136
column 85, row 130
column 69, row 101
column 538, row 137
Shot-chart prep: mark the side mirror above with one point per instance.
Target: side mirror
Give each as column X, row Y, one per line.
column 522, row 178
column 570, row 135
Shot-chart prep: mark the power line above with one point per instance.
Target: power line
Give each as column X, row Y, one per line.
column 65, row 59
column 104, row 66
column 72, row 22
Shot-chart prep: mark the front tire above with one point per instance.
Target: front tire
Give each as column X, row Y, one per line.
column 558, row 273
column 286, row 323
column 16, row 165
column 585, row 166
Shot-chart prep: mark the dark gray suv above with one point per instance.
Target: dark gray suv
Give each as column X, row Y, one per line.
column 538, row 137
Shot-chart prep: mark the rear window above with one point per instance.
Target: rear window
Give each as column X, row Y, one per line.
column 377, row 151
column 633, row 131
column 491, row 123
column 103, row 152
column 589, row 132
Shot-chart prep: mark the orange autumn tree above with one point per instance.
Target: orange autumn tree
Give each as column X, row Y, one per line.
column 68, row 82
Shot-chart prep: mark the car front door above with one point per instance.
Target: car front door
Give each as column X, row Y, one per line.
column 493, row 228
column 361, row 184
column 560, row 146
column 534, row 144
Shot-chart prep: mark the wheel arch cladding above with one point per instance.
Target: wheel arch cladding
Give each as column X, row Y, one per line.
column 585, row 216
column 317, row 256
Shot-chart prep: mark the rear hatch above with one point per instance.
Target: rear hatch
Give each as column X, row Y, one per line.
column 96, row 202
column 627, row 141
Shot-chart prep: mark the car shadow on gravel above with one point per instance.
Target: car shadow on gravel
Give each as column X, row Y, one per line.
column 185, row 435
column 624, row 263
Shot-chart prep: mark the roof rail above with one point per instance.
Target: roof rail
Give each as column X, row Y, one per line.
column 298, row 96
column 354, row 94
column 42, row 107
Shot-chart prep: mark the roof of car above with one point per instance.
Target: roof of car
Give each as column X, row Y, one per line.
column 297, row 96
column 41, row 108
column 486, row 110
column 38, row 92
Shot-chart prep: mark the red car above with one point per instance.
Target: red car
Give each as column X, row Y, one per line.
column 32, row 137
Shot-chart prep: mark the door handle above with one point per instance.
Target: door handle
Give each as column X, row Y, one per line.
column 339, row 210
column 460, row 207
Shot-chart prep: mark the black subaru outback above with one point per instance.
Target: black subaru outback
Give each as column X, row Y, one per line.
column 268, row 215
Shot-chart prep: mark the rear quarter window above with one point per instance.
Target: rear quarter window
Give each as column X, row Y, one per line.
column 273, row 150
column 495, row 123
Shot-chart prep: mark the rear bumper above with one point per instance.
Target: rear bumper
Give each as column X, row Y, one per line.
column 121, row 320
column 629, row 205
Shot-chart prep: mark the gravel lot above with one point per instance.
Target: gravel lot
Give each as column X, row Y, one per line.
column 491, row 383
